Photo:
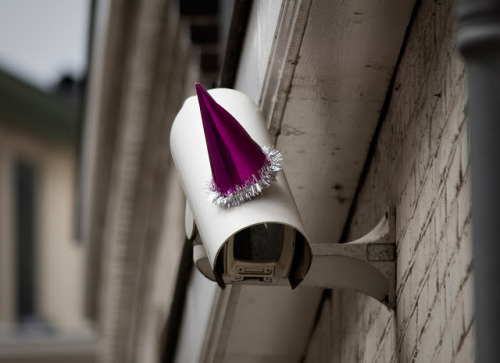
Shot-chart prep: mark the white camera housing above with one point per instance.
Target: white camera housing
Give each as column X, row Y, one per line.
column 261, row 241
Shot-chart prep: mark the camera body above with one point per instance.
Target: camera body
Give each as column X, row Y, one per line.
column 261, row 241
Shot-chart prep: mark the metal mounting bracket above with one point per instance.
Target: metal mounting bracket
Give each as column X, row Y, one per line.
column 366, row 265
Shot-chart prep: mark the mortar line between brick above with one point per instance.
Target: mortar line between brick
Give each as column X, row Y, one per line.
column 420, row 288
column 429, row 216
column 463, row 337
column 460, row 291
column 432, row 158
column 431, row 163
column 441, row 189
column 441, row 335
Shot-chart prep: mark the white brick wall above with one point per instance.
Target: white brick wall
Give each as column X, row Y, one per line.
column 420, row 165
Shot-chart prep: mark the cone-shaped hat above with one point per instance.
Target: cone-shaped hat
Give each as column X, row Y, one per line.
column 241, row 169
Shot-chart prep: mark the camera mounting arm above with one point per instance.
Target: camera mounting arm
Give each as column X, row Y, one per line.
column 366, row 265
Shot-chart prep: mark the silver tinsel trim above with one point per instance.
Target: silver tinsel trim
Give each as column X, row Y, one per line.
column 267, row 174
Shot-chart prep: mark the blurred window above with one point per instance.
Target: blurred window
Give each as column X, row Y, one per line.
column 25, row 235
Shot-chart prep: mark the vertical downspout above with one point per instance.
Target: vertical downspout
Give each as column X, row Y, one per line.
column 479, row 42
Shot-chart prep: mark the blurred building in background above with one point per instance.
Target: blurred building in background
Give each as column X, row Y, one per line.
column 41, row 260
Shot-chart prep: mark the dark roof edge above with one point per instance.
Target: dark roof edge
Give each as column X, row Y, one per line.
column 26, row 106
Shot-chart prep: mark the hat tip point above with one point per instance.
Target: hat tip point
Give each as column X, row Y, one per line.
column 199, row 88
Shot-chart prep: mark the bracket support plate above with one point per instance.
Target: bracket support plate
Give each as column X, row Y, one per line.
column 366, row 265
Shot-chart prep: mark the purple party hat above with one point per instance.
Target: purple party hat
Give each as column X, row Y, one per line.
column 241, row 169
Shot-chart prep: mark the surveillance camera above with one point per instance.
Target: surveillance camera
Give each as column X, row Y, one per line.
column 262, row 241
column 259, row 253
